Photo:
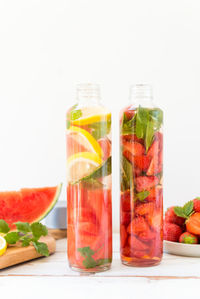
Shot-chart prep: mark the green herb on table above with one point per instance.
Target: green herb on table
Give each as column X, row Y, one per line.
column 27, row 234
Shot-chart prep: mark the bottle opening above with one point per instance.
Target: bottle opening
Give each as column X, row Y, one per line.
column 142, row 91
column 88, row 91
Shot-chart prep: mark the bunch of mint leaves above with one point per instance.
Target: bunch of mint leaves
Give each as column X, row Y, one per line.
column 144, row 124
column 27, row 234
column 89, row 261
column 186, row 211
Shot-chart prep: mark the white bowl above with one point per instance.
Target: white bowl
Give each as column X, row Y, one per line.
column 182, row 249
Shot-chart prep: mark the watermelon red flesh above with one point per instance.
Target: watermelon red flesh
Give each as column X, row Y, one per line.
column 27, row 205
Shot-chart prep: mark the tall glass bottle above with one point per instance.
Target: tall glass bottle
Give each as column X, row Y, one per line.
column 141, row 168
column 89, row 182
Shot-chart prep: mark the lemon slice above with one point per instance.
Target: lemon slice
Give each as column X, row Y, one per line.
column 3, row 245
column 82, row 164
column 92, row 115
column 85, row 139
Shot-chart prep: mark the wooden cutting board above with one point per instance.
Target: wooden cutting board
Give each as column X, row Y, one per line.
column 15, row 255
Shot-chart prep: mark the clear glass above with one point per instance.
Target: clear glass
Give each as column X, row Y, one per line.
column 89, row 182
column 141, row 174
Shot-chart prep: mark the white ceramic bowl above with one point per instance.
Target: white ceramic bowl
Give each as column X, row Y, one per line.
column 182, row 249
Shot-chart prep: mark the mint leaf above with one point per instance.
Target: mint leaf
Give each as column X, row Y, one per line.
column 75, row 114
column 188, row 208
column 86, row 251
column 89, row 262
column 23, row 227
column 126, row 174
column 92, row 184
column 179, row 212
column 149, row 135
column 100, row 129
column 12, row 238
column 156, row 116
column 142, row 195
column 101, row 171
column 25, row 241
column 128, row 126
column 103, row 261
column 38, row 230
column 41, row 248
column 4, row 228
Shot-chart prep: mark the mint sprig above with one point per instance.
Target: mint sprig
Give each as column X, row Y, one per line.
column 89, row 261
column 26, row 234
column 186, row 211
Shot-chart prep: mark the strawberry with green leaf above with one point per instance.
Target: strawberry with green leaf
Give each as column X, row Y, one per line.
column 188, row 238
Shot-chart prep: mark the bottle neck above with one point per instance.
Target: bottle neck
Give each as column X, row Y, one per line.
column 141, row 95
column 88, row 94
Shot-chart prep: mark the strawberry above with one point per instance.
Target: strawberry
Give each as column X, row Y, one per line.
column 129, row 113
column 136, row 244
column 127, row 202
column 125, row 217
column 135, row 148
column 155, row 193
column 131, row 138
column 137, row 226
column 145, row 208
column 171, row 217
column 196, row 204
column 155, row 221
column 140, row 227
column 146, row 183
column 172, row 232
column 157, row 144
column 193, row 224
column 106, row 147
column 155, row 166
column 188, row 238
column 142, row 162
column 123, row 235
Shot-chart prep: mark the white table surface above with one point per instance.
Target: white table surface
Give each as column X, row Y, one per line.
column 50, row 277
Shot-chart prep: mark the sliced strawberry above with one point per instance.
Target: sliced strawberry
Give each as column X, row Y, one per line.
column 155, row 166
column 127, row 202
column 123, row 235
column 125, row 217
column 137, row 225
column 146, row 183
column 136, row 245
column 156, row 221
column 135, row 148
column 155, row 193
column 106, row 147
column 142, row 162
column 193, row 224
column 131, row 138
column 145, row 208
column 129, row 113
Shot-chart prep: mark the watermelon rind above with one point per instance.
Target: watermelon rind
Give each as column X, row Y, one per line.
column 58, row 191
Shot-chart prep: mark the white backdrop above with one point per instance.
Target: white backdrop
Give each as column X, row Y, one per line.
column 48, row 46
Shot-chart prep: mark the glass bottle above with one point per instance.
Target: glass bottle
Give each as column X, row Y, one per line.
column 89, row 182
column 141, row 171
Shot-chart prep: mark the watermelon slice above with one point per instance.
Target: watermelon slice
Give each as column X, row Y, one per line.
column 28, row 205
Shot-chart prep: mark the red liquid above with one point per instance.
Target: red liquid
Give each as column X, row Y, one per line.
column 89, row 215
column 141, row 204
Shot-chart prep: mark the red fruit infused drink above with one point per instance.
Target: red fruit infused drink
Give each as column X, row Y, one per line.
column 89, row 206
column 141, row 166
